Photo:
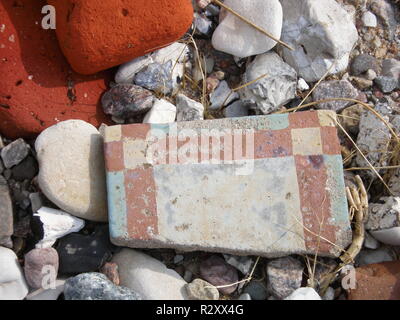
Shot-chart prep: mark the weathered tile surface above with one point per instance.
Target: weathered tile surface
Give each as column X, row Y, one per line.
column 266, row 185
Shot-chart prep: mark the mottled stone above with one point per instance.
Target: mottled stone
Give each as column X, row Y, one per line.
column 222, row 96
column 276, row 85
column 236, row 109
column 84, row 253
column 199, row 289
column 387, row 84
column 284, row 276
column 127, row 100
column 217, row 272
column 362, row 63
column 335, row 89
column 96, row 286
column 257, row 290
column 188, row 109
column 6, row 211
column 40, row 264
column 321, row 33
column 156, row 77
column 110, row 269
column 14, row 153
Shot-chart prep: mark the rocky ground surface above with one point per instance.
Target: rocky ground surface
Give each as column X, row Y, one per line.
column 47, row 230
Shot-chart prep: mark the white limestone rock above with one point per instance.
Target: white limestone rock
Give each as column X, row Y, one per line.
column 274, row 90
column 305, row 293
column 161, row 112
column 373, row 140
column 320, row 32
column 149, row 277
column 56, row 224
column 188, row 109
column 238, row 38
column 71, row 169
column 176, row 52
column 12, row 281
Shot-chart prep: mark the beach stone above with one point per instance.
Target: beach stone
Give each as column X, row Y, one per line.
column 14, row 153
column 176, row 53
column 199, row 289
column 236, row 109
column 36, row 261
column 48, row 294
column 238, row 38
column 244, row 296
column 12, row 281
column 127, row 100
column 149, row 277
column 156, row 77
column 369, row 19
column 27, row 169
column 373, row 140
column 374, row 256
column 188, row 109
column 38, row 87
column 335, row 89
column 6, row 212
column 84, row 253
column 304, row 294
column 350, row 119
column 257, row 290
column 54, row 224
column 284, row 276
column 150, row 193
column 96, row 286
column 320, row 33
column 362, row 63
column 243, row 264
column 217, row 272
column 203, row 24
column 161, row 112
column 391, row 68
column 377, row 282
column 71, row 169
column 222, row 96
column 130, row 32
column 110, row 269
column 387, row 84
column 274, row 90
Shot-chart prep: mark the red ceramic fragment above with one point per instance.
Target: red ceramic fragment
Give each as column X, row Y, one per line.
column 37, row 86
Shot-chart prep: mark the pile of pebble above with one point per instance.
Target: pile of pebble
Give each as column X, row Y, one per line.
column 54, row 241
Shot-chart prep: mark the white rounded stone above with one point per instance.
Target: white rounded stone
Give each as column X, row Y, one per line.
column 71, row 169
column 12, row 281
column 148, row 276
column 320, row 32
column 240, row 39
column 305, row 293
column 389, row 236
column 161, row 112
column 56, row 224
column 369, row 19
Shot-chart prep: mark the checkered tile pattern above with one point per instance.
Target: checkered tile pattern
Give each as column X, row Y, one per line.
column 150, row 204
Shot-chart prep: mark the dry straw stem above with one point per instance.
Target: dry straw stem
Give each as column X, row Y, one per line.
column 251, row 23
column 241, row 87
column 358, row 202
